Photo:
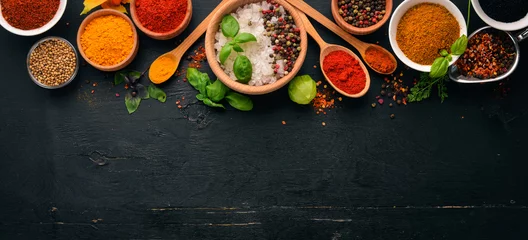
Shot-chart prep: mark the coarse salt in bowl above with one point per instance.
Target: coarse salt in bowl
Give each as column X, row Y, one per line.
column 37, row 31
column 397, row 16
column 258, row 66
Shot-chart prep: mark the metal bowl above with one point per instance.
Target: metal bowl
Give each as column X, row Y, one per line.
column 74, row 72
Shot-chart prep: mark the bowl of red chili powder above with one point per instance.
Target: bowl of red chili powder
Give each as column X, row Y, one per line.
column 161, row 19
column 30, row 17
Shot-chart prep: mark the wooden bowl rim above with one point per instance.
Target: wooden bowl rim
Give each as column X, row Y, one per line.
column 361, row 31
column 235, row 85
column 351, row 53
column 104, row 12
column 166, row 35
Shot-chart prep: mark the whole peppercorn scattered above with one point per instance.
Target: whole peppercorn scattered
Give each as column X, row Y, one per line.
column 362, row 13
column 52, row 62
column 373, row 105
column 391, row 105
column 392, row 116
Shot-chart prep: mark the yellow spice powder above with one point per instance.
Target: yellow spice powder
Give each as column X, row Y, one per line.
column 162, row 69
column 107, row 40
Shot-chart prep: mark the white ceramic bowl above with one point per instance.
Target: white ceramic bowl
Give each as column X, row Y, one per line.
column 513, row 26
column 34, row 32
column 398, row 14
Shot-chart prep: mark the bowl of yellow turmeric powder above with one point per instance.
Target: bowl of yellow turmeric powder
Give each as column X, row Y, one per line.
column 420, row 29
column 108, row 40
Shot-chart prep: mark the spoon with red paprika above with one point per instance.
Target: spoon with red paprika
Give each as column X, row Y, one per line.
column 176, row 54
column 348, row 85
column 376, row 57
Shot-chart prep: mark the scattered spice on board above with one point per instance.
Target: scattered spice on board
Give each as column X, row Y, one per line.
column 345, row 72
column 505, row 10
column 53, row 62
column 362, row 13
column 324, row 100
column 198, row 57
column 488, row 55
column 424, row 30
column 29, row 14
column 107, row 40
column 379, row 60
column 161, row 16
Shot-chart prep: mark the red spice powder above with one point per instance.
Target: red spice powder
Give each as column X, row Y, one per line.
column 161, row 15
column 29, row 14
column 345, row 72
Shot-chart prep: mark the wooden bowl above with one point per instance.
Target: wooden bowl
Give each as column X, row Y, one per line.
column 166, row 35
column 130, row 57
column 360, row 31
column 214, row 25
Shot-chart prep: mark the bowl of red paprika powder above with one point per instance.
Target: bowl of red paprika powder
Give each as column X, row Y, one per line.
column 161, row 19
column 30, row 17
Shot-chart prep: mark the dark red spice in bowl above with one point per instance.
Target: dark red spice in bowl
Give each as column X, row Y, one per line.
column 345, row 72
column 161, row 16
column 29, row 14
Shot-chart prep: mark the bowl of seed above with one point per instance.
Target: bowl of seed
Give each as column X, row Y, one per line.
column 52, row 62
column 361, row 17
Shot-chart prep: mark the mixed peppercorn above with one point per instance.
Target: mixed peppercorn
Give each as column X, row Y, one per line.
column 488, row 55
column 362, row 13
column 284, row 34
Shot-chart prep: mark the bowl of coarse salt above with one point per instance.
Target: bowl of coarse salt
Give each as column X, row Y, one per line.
column 30, row 17
column 256, row 46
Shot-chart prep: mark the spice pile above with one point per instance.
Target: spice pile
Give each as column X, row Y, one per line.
column 488, row 55
column 392, row 89
column 29, row 14
column 161, row 16
column 107, row 40
column 285, row 36
column 52, row 62
column 424, row 30
column 505, row 11
column 362, row 13
column 379, row 60
column 345, row 72
column 324, row 99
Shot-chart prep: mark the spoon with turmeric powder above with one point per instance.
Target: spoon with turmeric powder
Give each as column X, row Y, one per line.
column 166, row 65
column 376, row 57
column 326, row 50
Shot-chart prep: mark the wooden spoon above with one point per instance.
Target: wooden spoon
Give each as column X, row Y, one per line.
column 327, row 49
column 356, row 43
column 176, row 54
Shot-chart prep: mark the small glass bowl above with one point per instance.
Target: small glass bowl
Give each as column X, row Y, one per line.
column 74, row 74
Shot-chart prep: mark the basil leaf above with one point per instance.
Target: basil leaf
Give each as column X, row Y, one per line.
column 132, row 103
column 449, row 58
column 217, row 91
column 460, row 45
column 119, row 78
column 142, row 92
column 134, row 77
column 157, row 93
column 198, row 80
column 229, row 26
column 210, row 103
column 444, row 53
column 239, row 101
column 245, row 37
column 243, row 69
column 237, row 48
column 200, row 97
column 225, row 52
column 439, row 68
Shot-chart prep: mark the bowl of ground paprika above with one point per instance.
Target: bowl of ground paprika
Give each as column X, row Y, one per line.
column 30, row 17
column 161, row 19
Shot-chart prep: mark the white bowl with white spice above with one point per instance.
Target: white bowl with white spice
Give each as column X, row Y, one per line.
column 64, row 74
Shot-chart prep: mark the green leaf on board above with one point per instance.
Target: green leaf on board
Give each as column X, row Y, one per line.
column 132, row 103
column 217, row 91
column 239, row 101
column 157, row 93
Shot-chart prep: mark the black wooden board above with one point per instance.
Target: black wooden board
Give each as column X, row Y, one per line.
column 455, row 170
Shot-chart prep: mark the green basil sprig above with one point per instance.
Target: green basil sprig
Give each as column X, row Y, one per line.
column 242, row 66
column 441, row 64
column 212, row 93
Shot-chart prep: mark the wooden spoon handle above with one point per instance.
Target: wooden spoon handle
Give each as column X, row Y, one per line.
column 197, row 33
column 311, row 30
column 304, row 7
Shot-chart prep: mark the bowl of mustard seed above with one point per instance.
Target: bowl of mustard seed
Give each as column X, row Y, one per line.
column 52, row 62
